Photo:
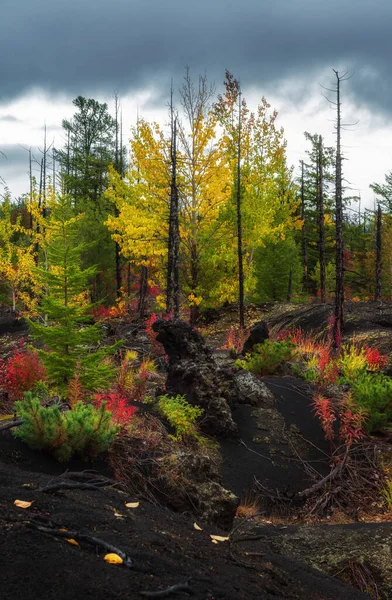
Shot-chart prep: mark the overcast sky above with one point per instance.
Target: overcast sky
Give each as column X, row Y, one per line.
column 54, row 50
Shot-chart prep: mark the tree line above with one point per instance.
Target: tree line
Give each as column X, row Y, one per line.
column 199, row 213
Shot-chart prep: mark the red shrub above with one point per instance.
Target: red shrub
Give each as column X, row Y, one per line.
column 100, row 313
column 21, row 372
column 375, row 359
column 352, row 420
column 295, row 335
column 75, row 391
column 331, row 373
column 324, row 411
column 325, row 358
column 121, row 411
column 235, row 339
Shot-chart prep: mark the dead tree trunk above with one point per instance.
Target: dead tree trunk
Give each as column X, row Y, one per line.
column 173, row 287
column 304, row 243
column 377, row 295
column 290, row 285
column 320, row 203
column 118, row 166
column 239, row 224
column 37, row 227
column 31, row 188
column 339, row 285
column 143, row 291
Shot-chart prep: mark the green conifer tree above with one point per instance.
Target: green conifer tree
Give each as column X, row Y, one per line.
column 71, row 341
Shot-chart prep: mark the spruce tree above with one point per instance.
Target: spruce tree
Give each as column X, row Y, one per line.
column 71, row 341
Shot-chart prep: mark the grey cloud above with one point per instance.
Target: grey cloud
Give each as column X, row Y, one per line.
column 14, row 167
column 95, row 45
column 9, row 119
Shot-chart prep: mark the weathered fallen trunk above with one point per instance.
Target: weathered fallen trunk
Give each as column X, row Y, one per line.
column 193, row 373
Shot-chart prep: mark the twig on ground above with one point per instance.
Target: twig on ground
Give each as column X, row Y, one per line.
column 328, row 478
column 258, row 453
column 72, row 485
column 10, row 424
column 178, row 587
column 83, row 537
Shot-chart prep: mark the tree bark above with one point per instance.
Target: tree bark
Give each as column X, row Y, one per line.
column 320, row 202
column 377, row 295
column 142, row 291
column 239, row 224
column 173, row 287
column 339, row 285
column 304, row 243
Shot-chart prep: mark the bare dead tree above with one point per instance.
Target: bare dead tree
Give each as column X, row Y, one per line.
column 290, row 285
column 173, row 288
column 118, row 167
column 239, row 222
column 321, row 223
column 31, row 188
column 339, row 283
column 53, row 168
column 304, row 243
column 377, row 295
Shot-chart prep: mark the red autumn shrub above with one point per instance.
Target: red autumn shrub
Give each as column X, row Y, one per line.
column 133, row 378
column 324, row 411
column 100, row 313
column 235, row 339
column 75, row 391
column 21, row 372
column 375, row 359
column 121, row 411
column 352, row 420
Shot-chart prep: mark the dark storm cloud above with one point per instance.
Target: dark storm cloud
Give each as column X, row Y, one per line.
column 86, row 46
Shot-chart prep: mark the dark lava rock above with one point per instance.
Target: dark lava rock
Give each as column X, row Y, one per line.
column 251, row 390
column 181, row 341
column 258, row 335
column 193, row 373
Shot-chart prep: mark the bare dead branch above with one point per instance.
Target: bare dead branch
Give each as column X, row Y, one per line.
column 83, row 537
column 178, row 587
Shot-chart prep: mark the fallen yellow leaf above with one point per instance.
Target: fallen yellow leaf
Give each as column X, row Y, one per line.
column 132, row 504
column 118, row 515
column 23, row 504
column 195, row 525
column 218, row 538
column 73, row 542
column 63, row 529
column 214, row 542
column 113, row 559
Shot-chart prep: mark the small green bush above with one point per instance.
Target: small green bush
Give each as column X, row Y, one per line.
column 373, row 391
column 181, row 415
column 85, row 431
column 352, row 363
column 267, row 357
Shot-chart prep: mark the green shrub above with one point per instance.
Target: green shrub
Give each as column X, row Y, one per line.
column 181, row 415
column 85, row 431
column 267, row 357
column 373, row 391
column 352, row 362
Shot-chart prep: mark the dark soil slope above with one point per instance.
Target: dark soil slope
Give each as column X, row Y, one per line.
column 164, row 546
column 367, row 321
column 274, row 443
